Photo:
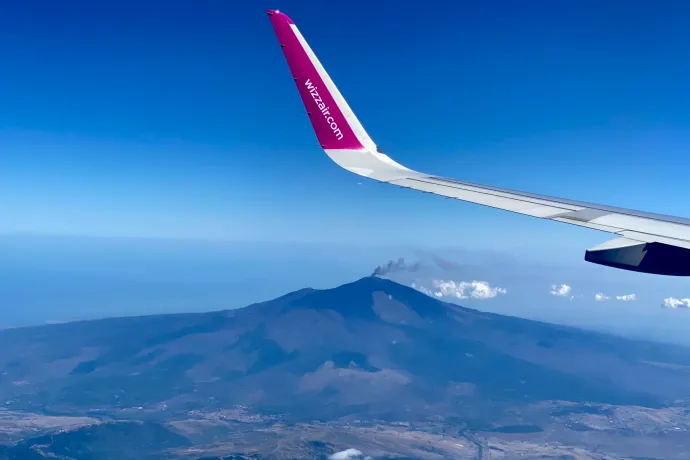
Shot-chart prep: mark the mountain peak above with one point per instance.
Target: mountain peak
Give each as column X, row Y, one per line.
column 358, row 298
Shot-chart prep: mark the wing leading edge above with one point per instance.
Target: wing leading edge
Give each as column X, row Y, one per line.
column 645, row 242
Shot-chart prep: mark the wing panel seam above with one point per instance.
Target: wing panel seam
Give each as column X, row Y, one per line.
column 520, row 198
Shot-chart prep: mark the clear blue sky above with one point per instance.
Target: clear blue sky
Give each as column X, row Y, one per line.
column 180, row 119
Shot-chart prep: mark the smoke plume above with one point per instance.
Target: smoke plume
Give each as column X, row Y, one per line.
column 394, row 266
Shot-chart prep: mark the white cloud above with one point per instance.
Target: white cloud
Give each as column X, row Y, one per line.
column 601, row 297
column 627, row 297
column 347, row 454
column 426, row 291
column 672, row 302
column 479, row 290
column 561, row 290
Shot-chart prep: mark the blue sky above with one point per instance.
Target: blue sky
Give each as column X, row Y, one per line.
column 180, row 120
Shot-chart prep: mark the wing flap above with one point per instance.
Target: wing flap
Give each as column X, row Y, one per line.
column 654, row 238
column 645, row 225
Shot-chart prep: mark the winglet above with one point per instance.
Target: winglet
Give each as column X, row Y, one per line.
column 334, row 123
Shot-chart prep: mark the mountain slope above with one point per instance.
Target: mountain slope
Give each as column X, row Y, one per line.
column 372, row 346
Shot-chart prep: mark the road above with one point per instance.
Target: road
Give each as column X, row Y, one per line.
column 483, row 452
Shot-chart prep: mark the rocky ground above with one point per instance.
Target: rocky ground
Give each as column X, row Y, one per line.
column 565, row 431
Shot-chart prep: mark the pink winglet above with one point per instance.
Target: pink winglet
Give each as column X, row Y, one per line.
column 330, row 124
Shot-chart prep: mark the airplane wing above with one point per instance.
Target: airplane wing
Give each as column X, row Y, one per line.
column 645, row 242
